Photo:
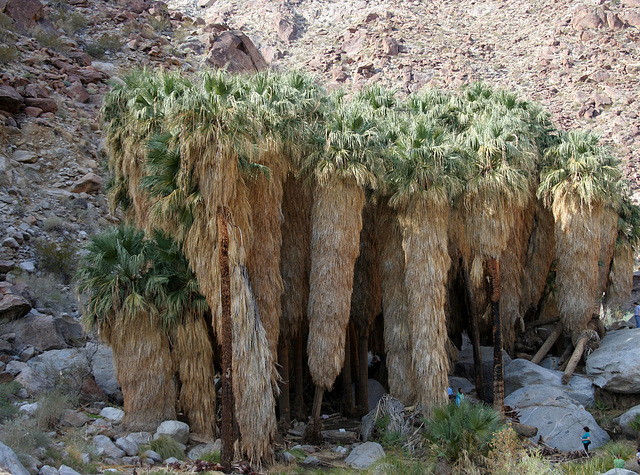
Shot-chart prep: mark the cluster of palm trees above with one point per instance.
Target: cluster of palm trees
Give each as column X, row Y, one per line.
column 336, row 208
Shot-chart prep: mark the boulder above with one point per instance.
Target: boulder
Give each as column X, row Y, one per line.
column 25, row 12
column 204, row 449
column 39, row 331
column 365, row 455
column 175, row 429
column 104, row 372
column 625, row 419
column 91, row 392
column 9, row 461
column 521, row 373
column 112, row 413
column 235, row 51
column 45, row 103
column 10, row 99
column 614, row 366
column 105, row 447
column 559, row 418
column 25, row 156
column 90, row 183
column 13, row 306
column 71, row 418
column 64, row 470
column 48, row 470
column 287, row 30
column 41, row 370
column 128, row 445
column 140, row 437
column 153, row 455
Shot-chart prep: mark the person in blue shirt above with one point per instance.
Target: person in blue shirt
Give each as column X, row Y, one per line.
column 586, row 439
column 636, row 313
column 459, row 397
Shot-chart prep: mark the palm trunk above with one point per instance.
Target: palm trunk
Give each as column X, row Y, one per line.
column 498, row 372
column 283, row 401
column 425, row 242
column 335, row 244
column 397, row 336
column 475, row 332
column 348, row 408
column 298, row 403
column 362, row 386
column 226, row 454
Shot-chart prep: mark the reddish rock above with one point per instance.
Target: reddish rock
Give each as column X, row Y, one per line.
column 137, row 6
column 354, row 43
column 287, row 30
column 91, row 75
column 13, row 306
column 90, row 391
column 78, row 92
column 633, row 19
column 44, row 103
column 587, row 19
column 10, row 100
column 89, row 183
column 613, row 21
column 390, row 46
column 6, row 266
column 80, row 58
column 338, row 75
column 25, row 12
column 32, row 111
column 234, row 50
column 6, row 377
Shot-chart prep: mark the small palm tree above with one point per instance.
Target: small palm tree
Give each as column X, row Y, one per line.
column 115, row 277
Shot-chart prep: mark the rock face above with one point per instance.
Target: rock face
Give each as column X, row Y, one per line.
column 614, row 366
column 521, row 373
column 9, row 461
column 365, row 455
column 235, row 51
column 559, row 419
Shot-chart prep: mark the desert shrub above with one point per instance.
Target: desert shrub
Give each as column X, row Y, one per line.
column 457, row 432
column 160, row 23
column 48, row 39
column 623, row 448
column 56, row 224
column 51, row 405
column 214, row 457
column 392, row 464
column 47, row 294
column 111, row 42
column 72, row 453
column 57, row 259
column 166, row 447
column 23, row 435
column 507, row 456
column 7, row 396
column 70, row 22
column 7, row 54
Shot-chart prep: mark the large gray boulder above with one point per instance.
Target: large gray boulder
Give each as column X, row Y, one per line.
column 104, row 372
column 625, row 419
column 9, row 461
column 105, row 447
column 42, row 370
column 175, row 429
column 521, row 373
column 559, row 418
column 128, row 445
column 614, row 366
column 365, row 455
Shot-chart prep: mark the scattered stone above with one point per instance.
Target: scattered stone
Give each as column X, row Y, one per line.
column 364, row 455
column 90, row 183
column 175, row 429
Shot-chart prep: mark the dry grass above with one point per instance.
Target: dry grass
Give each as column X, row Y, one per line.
column 397, row 335
column 608, row 236
column 424, row 239
column 335, row 244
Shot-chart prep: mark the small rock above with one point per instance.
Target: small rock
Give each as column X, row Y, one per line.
column 10, row 99
column 64, row 470
column 364, row 455
column 48, row 470
column 311, row 460
column 155, row 456
column 90, row 183
column 44, row 103
column 175, row 429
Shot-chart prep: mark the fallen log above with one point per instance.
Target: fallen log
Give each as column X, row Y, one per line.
column 544, row 349
column 575, row 359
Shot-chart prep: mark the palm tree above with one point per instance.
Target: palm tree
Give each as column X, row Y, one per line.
column 347, row 160
column 577, row 182
column 115, row 277
column 500, row 160
column 424, row 180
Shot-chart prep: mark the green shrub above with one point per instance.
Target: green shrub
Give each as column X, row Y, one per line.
column 7, row 54
column 57, row 259
column 213, row 457
column 51, row 406
column 70, row 22
column 166, row 447
column 48, row 39
column 7, row 396
column 107, row 42
column 23, row 436
column 393, row 465
column 456, row 432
